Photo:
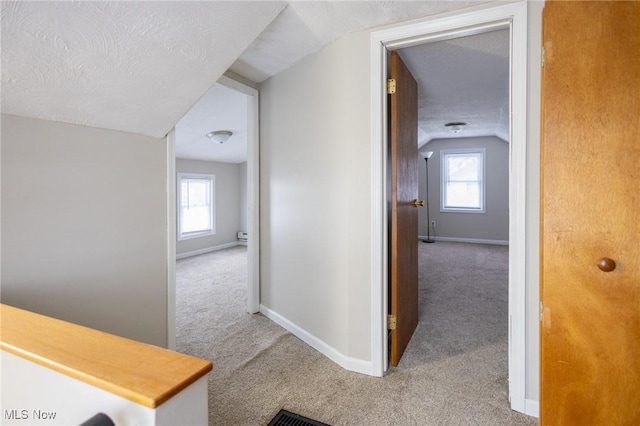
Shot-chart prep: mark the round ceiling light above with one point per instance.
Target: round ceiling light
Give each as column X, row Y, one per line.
column 219, row 136
column 455, row 126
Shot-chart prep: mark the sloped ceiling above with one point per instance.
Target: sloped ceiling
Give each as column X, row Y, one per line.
column 464, row 79
column 132, row 66
column 139, row 66
column 306, row 26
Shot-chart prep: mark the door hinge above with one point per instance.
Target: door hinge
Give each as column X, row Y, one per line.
column 391, row 86
column 542, row 58
column 391, row 322
column 541, row 311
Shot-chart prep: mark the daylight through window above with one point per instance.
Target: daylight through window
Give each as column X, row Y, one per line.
column 462, row 180
column 195, row 205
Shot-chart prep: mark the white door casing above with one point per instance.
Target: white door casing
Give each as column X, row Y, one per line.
column 253, row 188
column 471, row 21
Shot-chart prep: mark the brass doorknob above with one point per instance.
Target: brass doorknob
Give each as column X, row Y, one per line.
column 418, row 203
column 606, row 265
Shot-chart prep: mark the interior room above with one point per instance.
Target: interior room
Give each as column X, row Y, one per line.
column 316, row 251
column 463, row 141
column 315, row 222
column 92, row 96
column 463, row 255
column 464, row 314
column 211, row 140
column 211, row 255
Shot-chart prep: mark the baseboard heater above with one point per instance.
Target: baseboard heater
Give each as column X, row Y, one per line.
column 243, row 236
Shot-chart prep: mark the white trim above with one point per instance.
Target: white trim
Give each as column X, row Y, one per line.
column 517, row 206
column 467, row 240
column 208, row 250
column 465, row 22
column 379, row 243
column 253, row 191
column 171, row 241
column 351, row 364
column 532, row 408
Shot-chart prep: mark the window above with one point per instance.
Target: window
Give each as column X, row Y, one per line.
column 462, row 183
column 196, row 205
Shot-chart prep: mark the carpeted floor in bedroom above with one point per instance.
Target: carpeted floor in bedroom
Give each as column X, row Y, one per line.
column 453, row 373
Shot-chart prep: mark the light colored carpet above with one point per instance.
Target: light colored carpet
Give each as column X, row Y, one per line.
column 453, row 373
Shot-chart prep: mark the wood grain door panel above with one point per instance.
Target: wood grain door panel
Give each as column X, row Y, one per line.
column 590, row 329
column 403, row 262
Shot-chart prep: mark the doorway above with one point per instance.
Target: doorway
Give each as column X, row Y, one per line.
column 512, row 17
column 251, row 131
column 463, row 295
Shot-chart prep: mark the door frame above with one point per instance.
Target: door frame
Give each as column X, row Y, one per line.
column 253, row 190
column 467, row 22
column 253, row 209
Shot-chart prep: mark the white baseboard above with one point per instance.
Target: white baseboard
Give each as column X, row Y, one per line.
column 208, row 249
column 351, row 364
column 532, row 408
column 467, row 240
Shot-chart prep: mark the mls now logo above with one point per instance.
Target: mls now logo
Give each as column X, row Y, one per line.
column 16, row 414
column 26, row 414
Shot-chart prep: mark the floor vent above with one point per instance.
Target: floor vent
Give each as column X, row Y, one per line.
column 286, row 418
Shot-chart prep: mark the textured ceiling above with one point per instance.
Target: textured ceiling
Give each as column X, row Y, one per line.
column 306, row 26
column 140, row 66
column 130, row 66
column 464, row 79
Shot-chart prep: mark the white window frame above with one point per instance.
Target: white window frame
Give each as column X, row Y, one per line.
column 481, row 153
column 190, row 235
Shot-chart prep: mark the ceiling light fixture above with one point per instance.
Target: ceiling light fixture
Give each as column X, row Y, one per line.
column 219, row 136
column 456, row 126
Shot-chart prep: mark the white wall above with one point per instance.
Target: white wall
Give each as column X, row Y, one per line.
column 316, row 195
column 228, row 195
column 84, row 234
column 493, row 224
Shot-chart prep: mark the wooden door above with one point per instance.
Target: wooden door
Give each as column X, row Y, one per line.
column 590, row 324
column 403, row 239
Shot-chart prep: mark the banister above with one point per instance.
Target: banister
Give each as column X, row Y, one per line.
column 142, row 373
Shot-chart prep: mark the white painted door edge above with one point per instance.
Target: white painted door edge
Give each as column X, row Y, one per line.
column 253, row 191
column 170, row 141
